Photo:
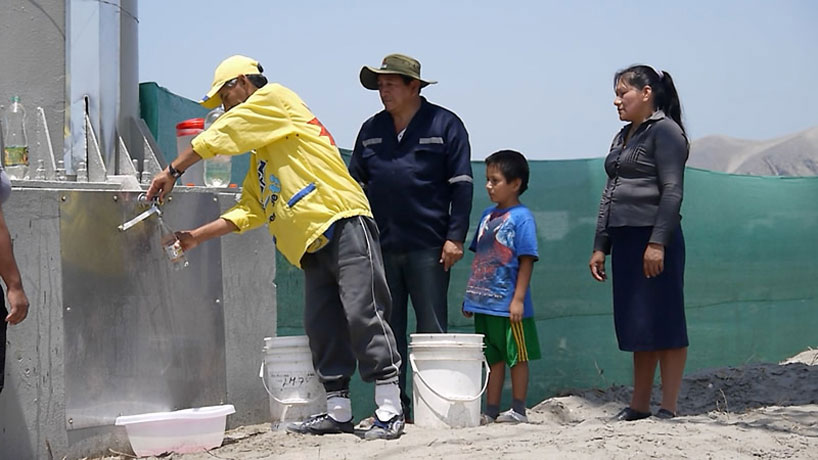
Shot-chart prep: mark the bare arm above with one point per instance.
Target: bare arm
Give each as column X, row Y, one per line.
column 192, row 238
column 597, row 266
column 451, row 253
column 517, row 306
column 18, row 302
column 163, row 183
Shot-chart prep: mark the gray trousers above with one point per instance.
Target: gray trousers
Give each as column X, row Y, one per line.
column 347, row 304
column 419, row 276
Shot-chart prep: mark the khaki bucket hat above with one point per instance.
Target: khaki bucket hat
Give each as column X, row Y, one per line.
column 393, row 64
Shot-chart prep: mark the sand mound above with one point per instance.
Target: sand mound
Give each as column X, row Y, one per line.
column 755, row 411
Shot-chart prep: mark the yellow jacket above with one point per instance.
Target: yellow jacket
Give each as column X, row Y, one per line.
column 297, row 182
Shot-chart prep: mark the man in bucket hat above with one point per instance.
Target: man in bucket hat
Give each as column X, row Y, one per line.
column 413, row 161
column 300, row 188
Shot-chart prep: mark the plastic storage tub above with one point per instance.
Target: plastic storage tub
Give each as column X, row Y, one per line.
column 182, row 431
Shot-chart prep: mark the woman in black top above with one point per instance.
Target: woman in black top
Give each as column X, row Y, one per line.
column 639, row 225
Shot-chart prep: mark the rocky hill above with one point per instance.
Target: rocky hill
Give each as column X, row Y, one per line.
column 791, row 155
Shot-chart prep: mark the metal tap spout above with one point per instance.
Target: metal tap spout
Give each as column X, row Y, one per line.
column 153, row 209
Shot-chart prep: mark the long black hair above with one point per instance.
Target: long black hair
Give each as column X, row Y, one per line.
column 665, row 97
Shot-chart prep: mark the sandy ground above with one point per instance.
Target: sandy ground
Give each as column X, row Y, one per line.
column 759, row 411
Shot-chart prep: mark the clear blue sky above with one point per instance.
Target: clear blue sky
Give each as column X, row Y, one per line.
column 531, row 75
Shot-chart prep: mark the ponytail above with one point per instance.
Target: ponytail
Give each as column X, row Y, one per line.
column 670, row 104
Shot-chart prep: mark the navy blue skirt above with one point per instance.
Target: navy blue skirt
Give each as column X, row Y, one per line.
column 649, row 314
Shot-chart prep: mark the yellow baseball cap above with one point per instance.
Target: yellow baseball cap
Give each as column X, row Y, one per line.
column 229, row 69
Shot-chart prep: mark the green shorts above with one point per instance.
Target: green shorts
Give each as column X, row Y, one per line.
column 512, row 343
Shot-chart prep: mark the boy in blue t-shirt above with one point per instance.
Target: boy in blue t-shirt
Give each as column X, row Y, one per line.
column 498, row 293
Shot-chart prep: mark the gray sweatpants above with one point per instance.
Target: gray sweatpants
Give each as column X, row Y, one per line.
column 347, row 304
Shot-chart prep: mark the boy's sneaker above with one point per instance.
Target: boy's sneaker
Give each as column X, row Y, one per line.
column 511, row 416
column 391, row 429
column 486, row 419
column 321, row 424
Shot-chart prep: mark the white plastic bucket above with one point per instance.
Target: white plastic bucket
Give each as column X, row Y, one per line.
column 446, row 379
column 290, row 380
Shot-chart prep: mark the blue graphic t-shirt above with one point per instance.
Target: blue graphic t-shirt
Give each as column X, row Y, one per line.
column 502, row 236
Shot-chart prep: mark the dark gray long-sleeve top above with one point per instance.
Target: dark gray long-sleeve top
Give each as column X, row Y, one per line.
column 645, row 181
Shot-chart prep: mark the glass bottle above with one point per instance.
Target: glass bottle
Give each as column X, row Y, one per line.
column 172, row 246
column 15, row 151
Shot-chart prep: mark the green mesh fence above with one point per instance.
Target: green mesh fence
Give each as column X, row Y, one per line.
column 751, row 283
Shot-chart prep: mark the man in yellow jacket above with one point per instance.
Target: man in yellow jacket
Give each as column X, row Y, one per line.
column 320, row 219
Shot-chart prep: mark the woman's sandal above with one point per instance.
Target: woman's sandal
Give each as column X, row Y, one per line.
column 665, row 414
column 628, row 415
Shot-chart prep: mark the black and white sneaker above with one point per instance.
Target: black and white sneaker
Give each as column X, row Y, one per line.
column 391, row 429
column 321, row 424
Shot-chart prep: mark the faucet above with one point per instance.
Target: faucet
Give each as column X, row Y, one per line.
column 153, row 209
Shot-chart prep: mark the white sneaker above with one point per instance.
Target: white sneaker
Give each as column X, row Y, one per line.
column 510, row 416
column 391, row 429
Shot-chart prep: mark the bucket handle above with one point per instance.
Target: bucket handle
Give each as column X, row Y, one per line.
column 284, row 402
column 451, row 398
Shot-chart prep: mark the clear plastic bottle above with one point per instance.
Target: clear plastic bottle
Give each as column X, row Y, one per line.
column 172, row 246
column 217, row 170
column 15, row 151
column 212, row 116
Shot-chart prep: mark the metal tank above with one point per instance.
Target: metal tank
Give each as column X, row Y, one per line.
column 112, row 330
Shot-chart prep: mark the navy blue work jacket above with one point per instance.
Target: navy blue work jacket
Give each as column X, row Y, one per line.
column 420, row 188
